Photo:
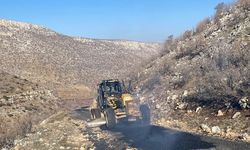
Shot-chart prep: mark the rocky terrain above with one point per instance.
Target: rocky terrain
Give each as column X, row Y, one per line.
column 65, row 63
column 22, row 104
column 68, row 130
column 201, row 82
column 43, row 71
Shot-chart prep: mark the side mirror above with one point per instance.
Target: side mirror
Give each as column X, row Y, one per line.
column 130, row 86
column 123, row 87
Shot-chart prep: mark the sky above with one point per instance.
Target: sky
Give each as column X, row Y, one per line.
column 139, row 20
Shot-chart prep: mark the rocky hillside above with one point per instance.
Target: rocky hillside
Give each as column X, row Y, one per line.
column 204, row 74
column 55, row 60
column 22, row 104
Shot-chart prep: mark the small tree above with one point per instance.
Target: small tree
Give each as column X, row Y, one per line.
column 168, row 44
column 187, row 34
column 202, row 25
column 219, row 10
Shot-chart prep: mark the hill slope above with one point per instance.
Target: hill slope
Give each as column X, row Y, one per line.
column 204, row 72
column 22, row 104
column 56, row 60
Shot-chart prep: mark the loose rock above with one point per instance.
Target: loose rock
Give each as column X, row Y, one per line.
column 216, row 130
column 198, row 109
column 205, row 128
column 220, row 113
column 157, row 106
column 245, row 136
column 174, row 97
column 244, row 103
column 236, row 115
column 181, row 106
column 185, row 94
column 228, row 129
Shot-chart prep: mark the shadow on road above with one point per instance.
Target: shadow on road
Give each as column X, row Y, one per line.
column 142, row 135
column 154, row 137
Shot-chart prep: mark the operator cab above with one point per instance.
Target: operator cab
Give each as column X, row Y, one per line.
column 110, row 92
column 111, row 88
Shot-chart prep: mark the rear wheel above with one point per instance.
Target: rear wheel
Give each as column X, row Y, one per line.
column 145, row 114
column 131, row 111
column 95, row 113
column 110, row 118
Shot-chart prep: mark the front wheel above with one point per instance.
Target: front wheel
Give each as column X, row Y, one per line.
column 95, row 113
column 110, row 118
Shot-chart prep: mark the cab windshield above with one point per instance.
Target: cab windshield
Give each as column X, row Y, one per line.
column 112, row 88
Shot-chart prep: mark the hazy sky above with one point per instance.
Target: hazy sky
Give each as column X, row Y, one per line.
column 141, row 20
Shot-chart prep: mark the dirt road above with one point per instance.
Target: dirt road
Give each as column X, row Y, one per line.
column 67, row 130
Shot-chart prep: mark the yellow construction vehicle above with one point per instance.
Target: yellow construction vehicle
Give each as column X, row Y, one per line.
column 113, row 102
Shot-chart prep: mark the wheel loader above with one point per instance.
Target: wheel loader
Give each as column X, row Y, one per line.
column 114, row 102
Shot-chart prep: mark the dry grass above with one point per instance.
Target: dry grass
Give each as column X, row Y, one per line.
column 10, row 129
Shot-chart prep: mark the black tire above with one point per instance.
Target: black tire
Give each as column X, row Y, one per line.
column 145, row 114
column 110, row 118
column 95, row 113
column 126, row 119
